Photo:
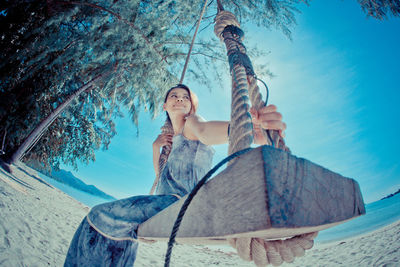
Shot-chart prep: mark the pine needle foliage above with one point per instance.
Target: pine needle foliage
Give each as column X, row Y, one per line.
column 381, row 9
column 66, row 44
column 50, row 50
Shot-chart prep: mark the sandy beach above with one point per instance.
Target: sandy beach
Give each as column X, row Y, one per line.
column 38, row 221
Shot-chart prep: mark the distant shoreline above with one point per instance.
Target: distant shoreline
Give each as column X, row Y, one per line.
column 391, row 195
column 67, row 178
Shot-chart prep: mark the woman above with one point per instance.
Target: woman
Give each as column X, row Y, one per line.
column 107, row 235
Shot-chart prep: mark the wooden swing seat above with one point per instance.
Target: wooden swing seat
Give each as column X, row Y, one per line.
column 267, row 193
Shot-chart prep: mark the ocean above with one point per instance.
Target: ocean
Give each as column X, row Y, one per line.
column 378, row 214
column 83, row 197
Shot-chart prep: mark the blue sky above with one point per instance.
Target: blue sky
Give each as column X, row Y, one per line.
column 336, row 84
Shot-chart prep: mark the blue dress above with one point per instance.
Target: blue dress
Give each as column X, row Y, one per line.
column 107, row 235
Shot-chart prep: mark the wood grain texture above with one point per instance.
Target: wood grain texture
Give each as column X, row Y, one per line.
column 267, row 193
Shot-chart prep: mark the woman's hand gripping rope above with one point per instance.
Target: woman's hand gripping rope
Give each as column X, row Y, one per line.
column 267, row 118
column 164, row 139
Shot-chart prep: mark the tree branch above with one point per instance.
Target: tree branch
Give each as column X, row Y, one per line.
column 197, row 53
column 220, row 7
column 119, row 18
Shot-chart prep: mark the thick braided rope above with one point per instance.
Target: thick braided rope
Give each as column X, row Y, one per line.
column 166, row 128
column 275, row 252
column 241, row 128
column 261, row 251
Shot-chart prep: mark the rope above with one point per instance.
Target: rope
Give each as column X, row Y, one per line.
column 275, row 252
column 2, row 151
column 191, row 45
column 165, row 129
column 261, row 251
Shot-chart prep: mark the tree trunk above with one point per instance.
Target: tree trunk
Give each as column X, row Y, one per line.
column 35, row 135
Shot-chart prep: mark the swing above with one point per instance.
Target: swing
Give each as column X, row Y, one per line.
column 264, row 194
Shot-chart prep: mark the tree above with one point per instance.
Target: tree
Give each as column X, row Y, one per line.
column 51, row 49
column 67, row 43
column 72, row 46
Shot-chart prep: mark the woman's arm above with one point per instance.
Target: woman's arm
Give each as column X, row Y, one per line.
column 216, row 132
column 208, row 132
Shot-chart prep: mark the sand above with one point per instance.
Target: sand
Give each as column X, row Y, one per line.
column 38, row 221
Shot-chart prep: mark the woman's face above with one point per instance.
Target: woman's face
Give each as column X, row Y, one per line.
column 178, row 101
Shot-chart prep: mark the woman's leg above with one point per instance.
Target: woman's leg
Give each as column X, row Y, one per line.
column 90, row 248
column 107, row 235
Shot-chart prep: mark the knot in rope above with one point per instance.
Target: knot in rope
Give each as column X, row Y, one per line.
column 231, row 31
column 275, row 252
column 223, row 19
column 234, row 30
